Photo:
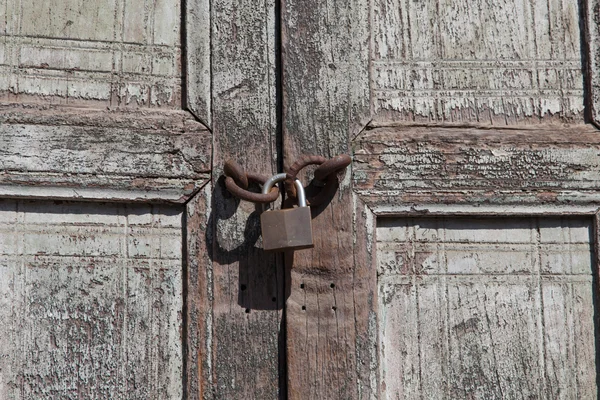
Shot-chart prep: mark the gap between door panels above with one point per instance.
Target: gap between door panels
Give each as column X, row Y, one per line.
column 282, row 342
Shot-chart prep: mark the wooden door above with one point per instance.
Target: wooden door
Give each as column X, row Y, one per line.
column 104, row 162
column 459, row 258
column 459, row 253
column 127, row 269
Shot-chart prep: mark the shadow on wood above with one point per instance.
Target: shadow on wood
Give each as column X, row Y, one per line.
column 260, row 282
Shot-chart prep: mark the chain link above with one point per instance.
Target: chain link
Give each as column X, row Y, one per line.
column 325, row 176
column 236, row 181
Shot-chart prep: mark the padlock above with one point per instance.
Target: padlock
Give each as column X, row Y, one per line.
column 287, row 229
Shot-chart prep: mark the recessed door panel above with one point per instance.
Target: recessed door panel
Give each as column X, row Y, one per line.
column 494, row 308
column 90, row 301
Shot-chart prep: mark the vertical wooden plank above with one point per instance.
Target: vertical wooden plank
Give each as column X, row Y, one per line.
column 198, row 296
column 246, row 285
column 326, row 99
column 196, row 17
column 592, row 47
column 365, row 286
column 401, row 358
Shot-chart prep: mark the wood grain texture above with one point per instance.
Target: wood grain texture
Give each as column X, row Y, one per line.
column 365, row 282
column 197, row 77
column 91, row 297
column 326, row 100
column 198, row 296
column 494, row 62
column 246, row 286
column 592, row 48
column 433, row 164
column 58, row 152
column 488, row 308
column 104, row 53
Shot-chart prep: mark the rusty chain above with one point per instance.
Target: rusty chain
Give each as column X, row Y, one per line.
column 325, row 176
column 237, row 181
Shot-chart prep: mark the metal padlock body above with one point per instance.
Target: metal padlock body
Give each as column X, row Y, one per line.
column 288, row 229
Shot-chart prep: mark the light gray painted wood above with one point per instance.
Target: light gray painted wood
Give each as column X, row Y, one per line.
column 498, row 308
column 439, row 164
column 197, row 59
column 493, row 62
column 102, row 154
column 592, row 51
column 101, row 53
column 91, row 299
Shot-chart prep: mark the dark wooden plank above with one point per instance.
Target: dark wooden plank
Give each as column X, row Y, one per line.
column 245, row 284
column 326, row 92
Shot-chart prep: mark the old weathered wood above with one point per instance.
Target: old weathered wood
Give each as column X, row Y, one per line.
column 501, row 62
column 246, row 288
column 477, row 64
column 91, row 297
column 436, row 164
column 56, row 152
column 93, row 292
column 592, row 52
column 197, row 77
column 486, row 308
column 326, row 100
column 365, row 284
column 197, row 288
column 104, row 53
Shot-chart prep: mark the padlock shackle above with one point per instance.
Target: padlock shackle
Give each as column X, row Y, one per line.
column 280, row 178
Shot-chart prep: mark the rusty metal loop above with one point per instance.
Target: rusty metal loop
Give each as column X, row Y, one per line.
column 252, row 196
column 326, row 172
column 233, row 170
column 237, row 180
column 304, row 161
column 332, row 166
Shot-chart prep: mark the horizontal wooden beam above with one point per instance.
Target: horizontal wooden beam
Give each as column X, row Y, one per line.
column 102, row 155
column 460, row 165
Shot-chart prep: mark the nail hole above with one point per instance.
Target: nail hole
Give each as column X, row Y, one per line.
column 302, row 286
column 243, row 287
column 334, row 308
column 332, row 285
column 304, row 307
column 247, row 311
column 274, row 299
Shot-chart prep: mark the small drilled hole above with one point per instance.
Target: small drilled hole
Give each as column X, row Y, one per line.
column 332, row 285
column 247, row 311
column 274, row 299
column 334, row 308
column 302, row 286
column 304, row 307
column 243, row 287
